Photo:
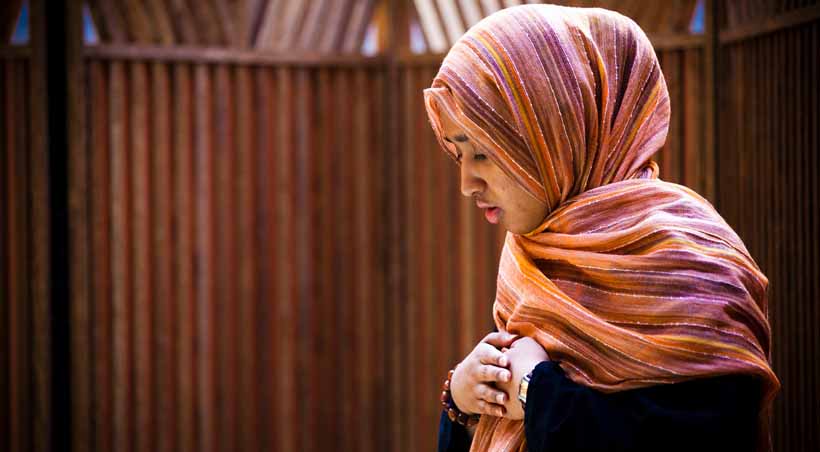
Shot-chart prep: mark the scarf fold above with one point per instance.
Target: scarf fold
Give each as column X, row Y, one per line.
column 630, row 281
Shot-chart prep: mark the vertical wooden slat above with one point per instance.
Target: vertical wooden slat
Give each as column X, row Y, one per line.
column 325, row 350
column 248, row 294
column 121, row 258
column 265, row 234
column 376, row 258
column 306, row 255
column 101, row 281
column 162, row 261
column 363, row 243
column 205, row 262
column 710, row 106
column 692, row 149
column 17, row 322
column 78, row 226
column 813, row 46
column 185, row 288
column 140, row 222
column 5, row 271
column 225, row 154
column 286, row 406
column 39, row 226
column 672, row 151
column 406, row 371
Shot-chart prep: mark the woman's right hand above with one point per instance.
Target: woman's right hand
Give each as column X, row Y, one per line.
column 472, row 386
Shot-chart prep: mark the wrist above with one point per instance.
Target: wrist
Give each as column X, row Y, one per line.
column 449, row 404
column 523, row 388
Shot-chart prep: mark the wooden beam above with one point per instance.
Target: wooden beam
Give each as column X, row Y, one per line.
column 770, row 24
column 183, row 22
column 226, row 55
column 268, row 25
column 14, row 52
column 357, row 27
column 138, row 22
column 676, row 41
column 315, row 21
column 160, row 15
column 110, row 22
column 9, row 15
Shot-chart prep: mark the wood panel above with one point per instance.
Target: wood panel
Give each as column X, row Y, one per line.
column 767, row 189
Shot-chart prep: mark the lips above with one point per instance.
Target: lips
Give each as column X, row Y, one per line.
column 492, row 214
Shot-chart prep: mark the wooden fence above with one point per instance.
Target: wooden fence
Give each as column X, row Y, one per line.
column 270, row 253
column 767, row 187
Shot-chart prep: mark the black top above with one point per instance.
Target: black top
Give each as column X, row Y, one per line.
column 714, row 414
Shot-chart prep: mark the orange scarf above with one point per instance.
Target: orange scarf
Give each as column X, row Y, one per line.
column 630, row 281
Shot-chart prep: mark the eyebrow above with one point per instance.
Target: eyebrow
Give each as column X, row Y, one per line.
column 460, row 138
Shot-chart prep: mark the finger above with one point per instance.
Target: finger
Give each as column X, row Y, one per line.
column 493, row 409
column 499, row 339
column 491, row 355
column 490, row 394
column 492, row 373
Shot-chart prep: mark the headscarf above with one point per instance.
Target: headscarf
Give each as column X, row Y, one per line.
column 629, row 281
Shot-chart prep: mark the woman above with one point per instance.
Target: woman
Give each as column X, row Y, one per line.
column 630, row 316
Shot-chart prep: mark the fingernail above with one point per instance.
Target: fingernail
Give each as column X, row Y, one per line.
column 505, row 376
column 502, row 361
column 500, row 398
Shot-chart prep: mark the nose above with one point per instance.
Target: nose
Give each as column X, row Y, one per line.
column 471, row 183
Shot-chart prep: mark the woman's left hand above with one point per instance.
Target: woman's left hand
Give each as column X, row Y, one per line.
column 523, row 355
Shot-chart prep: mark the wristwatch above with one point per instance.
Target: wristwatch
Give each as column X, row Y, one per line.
column 522, row 390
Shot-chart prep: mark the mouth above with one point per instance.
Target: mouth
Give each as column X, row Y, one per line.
column 491, row 213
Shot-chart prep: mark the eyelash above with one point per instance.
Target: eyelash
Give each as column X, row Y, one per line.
column 479, row 157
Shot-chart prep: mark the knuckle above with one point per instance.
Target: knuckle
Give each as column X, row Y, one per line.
column 479, row 391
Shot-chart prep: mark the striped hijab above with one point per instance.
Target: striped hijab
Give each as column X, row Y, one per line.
column 630, row 281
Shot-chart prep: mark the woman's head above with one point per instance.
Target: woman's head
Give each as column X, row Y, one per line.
column 558, row 100
column 504, row 202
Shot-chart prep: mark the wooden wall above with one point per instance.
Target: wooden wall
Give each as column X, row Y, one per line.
column 768, row 171
column 238, row 233
column 25, row 238
column 270, row 252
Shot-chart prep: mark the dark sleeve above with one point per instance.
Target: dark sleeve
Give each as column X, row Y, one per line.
column 703, row 415
column 452, row 436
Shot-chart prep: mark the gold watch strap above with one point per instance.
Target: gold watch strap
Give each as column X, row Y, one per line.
column 522, row 389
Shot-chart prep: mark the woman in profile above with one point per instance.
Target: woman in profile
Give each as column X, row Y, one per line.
column 630, row 316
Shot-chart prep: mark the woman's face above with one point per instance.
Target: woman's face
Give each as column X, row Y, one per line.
column 504, row 202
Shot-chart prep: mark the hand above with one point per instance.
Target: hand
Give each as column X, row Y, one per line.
column 523, row 355
column 473, row 384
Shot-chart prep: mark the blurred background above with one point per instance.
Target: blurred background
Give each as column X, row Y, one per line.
column 226, row 224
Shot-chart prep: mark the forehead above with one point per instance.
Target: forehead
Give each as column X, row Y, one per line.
column 450, row 130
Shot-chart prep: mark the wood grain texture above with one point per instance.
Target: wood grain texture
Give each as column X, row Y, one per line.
column 766, row 191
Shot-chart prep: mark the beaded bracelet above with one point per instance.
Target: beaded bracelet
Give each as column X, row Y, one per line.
column 453, row 412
